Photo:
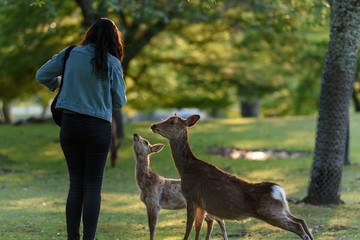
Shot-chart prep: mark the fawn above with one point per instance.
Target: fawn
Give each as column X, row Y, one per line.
column 158, row 192
column 220, row 194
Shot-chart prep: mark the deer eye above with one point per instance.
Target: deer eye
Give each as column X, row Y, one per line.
column 172, row 122
column 146, row 142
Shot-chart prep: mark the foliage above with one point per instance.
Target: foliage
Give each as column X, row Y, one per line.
column 34, row 181
column 29, row 36
column 303, row 61
column 236, row 57
column 149, row 33
column 193, row 64
column 224, row 51
column 278, row 47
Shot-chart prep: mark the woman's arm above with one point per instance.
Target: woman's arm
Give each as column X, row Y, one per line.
column 118, row 89
column 49, row 73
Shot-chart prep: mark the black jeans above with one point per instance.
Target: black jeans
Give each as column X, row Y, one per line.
column 85, row 142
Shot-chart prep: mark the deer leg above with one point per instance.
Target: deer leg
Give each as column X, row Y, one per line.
column 303, row 224
column 190, row 218
column 153, row 214
column 199, row 218
column 284, row 222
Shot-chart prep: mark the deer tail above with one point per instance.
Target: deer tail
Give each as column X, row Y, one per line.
column 278, row 193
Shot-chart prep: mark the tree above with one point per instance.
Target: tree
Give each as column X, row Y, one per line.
column 211, row 73
column 240, row 57
column 336, row 89
column 231, row 51
column 28, row 37
column 275, row 55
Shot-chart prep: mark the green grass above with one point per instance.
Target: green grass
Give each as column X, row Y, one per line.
column 34, row 181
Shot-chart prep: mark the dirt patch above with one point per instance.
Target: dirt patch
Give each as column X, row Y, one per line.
column 253, row 154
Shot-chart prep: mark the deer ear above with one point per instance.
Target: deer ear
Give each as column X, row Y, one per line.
column 157, row 147
column 192, row 120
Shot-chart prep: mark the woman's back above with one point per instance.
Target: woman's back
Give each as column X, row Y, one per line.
column 84, row 92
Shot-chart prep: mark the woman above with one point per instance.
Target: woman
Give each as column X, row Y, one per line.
column 93, row 86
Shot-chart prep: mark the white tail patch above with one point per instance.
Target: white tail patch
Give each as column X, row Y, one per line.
column 278, row 193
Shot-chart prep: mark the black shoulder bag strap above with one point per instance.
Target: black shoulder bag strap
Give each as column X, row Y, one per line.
column 67, row 54
column 56, row 114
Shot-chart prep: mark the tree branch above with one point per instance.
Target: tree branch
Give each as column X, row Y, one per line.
column 135, row 40
column 123, row 19
column 88, row 12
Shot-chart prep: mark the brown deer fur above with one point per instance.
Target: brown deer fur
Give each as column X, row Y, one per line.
column 219, row 193
column 158, row 192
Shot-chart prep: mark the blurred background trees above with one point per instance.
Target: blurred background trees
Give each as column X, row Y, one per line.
column 30, row 33
column 229, row 58
column 261, row 57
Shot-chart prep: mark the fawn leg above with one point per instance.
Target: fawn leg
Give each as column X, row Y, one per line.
column 199, row 218
column 222, row 226
column 303, row 224
column 190, row 218
column 153, row 214
column 210, row 224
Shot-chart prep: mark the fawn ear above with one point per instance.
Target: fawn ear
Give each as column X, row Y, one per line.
column 192, row 120
column 157, row 147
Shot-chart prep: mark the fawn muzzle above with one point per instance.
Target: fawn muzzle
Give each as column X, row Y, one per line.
column 136, row 137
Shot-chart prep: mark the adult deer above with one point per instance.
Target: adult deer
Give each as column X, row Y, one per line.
column 220, row 194
column 158, row 192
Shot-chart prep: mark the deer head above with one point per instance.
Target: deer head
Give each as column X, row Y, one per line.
column 174, row 126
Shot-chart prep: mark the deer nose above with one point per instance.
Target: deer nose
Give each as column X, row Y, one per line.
column 153, row 126
column 135, row 136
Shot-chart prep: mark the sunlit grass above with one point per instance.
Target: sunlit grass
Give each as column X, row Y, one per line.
column 34, row 181
column 39, row 203
column 126, row 203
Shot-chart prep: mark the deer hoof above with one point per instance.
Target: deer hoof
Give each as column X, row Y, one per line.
column 306, row 237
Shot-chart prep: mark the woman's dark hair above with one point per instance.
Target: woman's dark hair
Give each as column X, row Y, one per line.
column 107, row 39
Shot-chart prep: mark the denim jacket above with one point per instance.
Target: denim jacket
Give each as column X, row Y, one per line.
column 82, row 91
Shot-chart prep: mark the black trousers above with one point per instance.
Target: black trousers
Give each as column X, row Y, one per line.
column 85, row 142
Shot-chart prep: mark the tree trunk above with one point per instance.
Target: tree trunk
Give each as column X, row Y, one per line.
column 356, row 101
column 6, row 113
column 118, row 117
column 250, row 108
column 347, row 144
column 43, row 112
column 336, row 89
column 2, row 117
column 88, row 12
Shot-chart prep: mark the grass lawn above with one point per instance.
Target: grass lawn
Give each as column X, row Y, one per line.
column 34, row 181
